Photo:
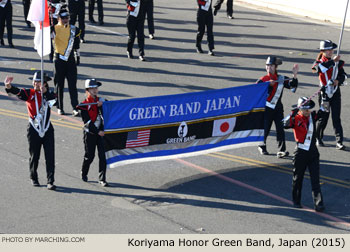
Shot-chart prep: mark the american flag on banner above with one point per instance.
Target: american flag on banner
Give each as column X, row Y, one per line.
column 138, row 138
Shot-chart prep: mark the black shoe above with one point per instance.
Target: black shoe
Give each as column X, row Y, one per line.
column 340, row 146
column 103, row 183
column 51, row 187
column 130, row 56
column 29, row 25
column 84, row 178
column 35, row 183
column 199, row 50
column 297, row 205
column 2, row 42
column 230, row 17
column 319, row 143
column 11, row 45
column 262, row 149
column 82, row 41
column 282, row 154
column 142, row 58
column 319, row 208
column 101, row 23
column 92, row 21
column 211, row 53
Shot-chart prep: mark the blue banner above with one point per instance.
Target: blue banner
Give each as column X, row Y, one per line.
column 155, row 128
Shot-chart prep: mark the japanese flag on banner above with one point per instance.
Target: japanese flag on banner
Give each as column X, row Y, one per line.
column 38, row 14
column 223, row 127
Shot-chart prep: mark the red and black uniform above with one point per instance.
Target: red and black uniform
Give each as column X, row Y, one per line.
column 135, row 21
column 274, row 106
column 205, row 19
column 93, row 123
column 6, row 17
column 35, row 141
column 325, row 68
column 306, row 155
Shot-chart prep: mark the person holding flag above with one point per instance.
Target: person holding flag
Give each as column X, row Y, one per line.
column 91, row 113
column 66, row 43
column 306, row 155
column 6, row 18
column 274, row 106
column 40, row 131
column 330, row 70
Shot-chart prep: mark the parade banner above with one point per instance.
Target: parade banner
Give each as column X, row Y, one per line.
column 173, row 126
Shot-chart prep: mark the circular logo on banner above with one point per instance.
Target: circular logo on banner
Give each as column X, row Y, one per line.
column 182, row 130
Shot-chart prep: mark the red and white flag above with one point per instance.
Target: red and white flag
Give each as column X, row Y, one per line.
column 38, row 14
column 223, row 127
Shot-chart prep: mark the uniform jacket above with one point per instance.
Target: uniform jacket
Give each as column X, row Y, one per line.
column 90, row 113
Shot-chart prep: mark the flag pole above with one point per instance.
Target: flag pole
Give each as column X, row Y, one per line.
column 342, row 29
column 42, row 61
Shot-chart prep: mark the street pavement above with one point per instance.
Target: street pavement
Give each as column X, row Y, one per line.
column 236, row 191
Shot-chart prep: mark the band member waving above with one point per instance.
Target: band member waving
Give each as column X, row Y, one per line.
column 40, row 131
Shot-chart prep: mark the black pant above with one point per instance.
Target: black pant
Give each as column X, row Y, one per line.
column 149, row 13
column 99, row 8
column 63, row 70
column 335, row 108
column 136, row 24
column 35, row 143
column 6, row 17
column 77, row 9
column 205, row 19
column 229, row 6
column 91, row 141
column 311, row 160
column 275, row 115
column 26, row 5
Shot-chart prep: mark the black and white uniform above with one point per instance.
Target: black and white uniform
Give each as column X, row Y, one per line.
column 205, row 19
column 306, row 155
column 325, row 68
column 77, row 10
column 65, row 64
column 37, row 138
column 274, row 106
column 6, row 18
column 135, row 20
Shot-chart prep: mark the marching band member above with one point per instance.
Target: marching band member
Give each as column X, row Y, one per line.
column 66, row 43
column 6, row 18
column 306, row 155
column 93, row 131
column 40, row 131
column 205, row 19
column 331, row 74
column 274, row 106
column 135, row 20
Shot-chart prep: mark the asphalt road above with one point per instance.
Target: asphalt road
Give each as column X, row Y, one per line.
column 237, row 191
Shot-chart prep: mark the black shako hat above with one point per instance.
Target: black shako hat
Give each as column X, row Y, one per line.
column 37, row 77
column 63, row 13
column 92, row 83
column 304, row 103
column 327, row 45
column 273, row 60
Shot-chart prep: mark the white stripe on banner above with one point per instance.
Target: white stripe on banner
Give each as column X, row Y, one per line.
column 196, row 142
